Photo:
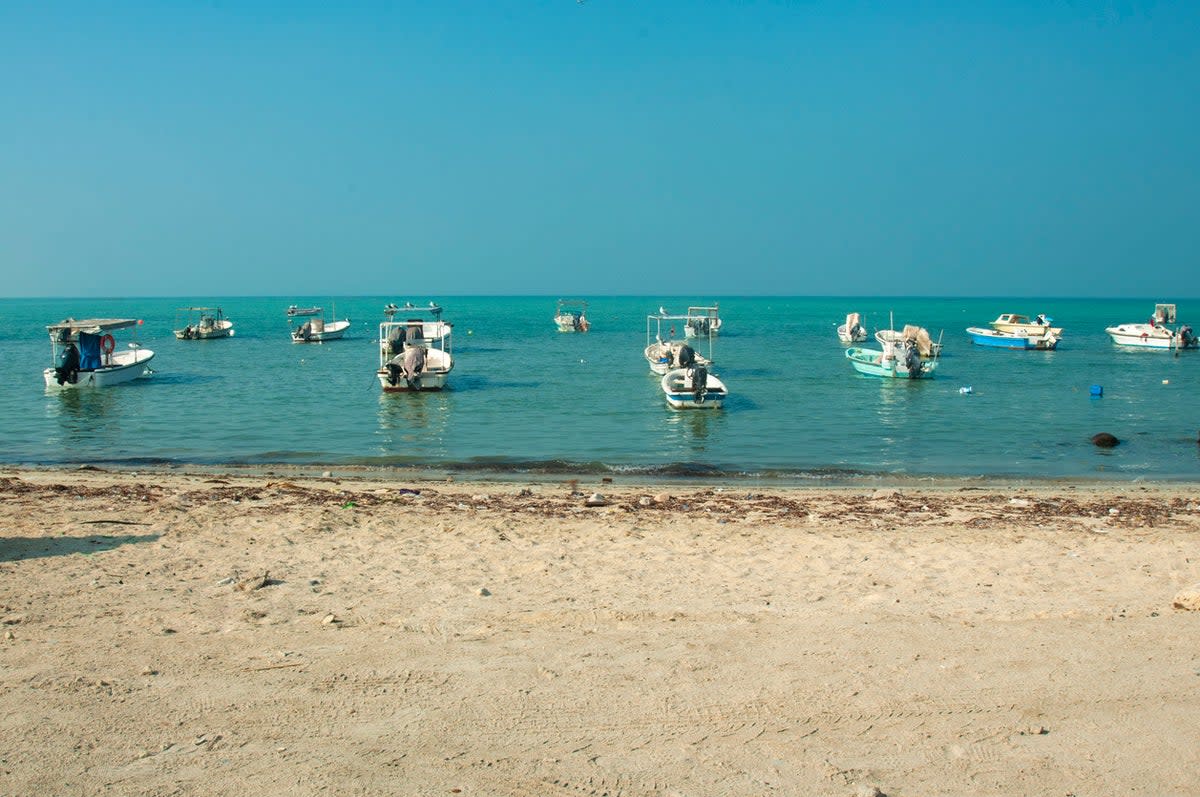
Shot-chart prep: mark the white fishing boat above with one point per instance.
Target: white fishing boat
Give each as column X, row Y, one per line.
column 702, row 322
column 693, row 389
column 1155, row 334
column 202, row 323
column 853, row 330
column 294, row 311
column 415, row 353
column 320, row 330
column 663, row 355
column 85, row 354
column 1024, row 325
column 571, row 316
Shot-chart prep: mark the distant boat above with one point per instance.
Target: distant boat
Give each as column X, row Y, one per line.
column 693, row 389
column 1012, row 340
column 320, row 330
column 202, row 323
column 293, row 311
column 571, row 316
column 1023, row 325
column 317, row 330
column 1155, row 334
column 84, row 354
column 702, row 322
column 853, row 330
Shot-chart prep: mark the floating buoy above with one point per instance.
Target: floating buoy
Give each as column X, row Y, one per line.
column 1096, row 390
column 1166, row 381
column 1105, row 440
column 966, row 391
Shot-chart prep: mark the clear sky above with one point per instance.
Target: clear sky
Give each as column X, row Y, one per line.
column 241, row 147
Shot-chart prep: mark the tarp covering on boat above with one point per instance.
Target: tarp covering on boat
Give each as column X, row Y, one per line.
column 920, row 338
column 89, row 351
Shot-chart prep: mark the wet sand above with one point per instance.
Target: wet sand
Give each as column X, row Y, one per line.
column 166, row 633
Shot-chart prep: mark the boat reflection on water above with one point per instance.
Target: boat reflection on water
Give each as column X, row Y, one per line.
column 87, row 419
column 414, row 419
column 688, row 432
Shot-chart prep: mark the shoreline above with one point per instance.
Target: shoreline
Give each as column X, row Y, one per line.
column 173, row 632
column 848, row 480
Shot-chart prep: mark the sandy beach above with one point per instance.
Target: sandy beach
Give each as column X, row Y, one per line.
column 169, row 633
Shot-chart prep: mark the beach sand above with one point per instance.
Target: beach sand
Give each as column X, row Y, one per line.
column 167, row 633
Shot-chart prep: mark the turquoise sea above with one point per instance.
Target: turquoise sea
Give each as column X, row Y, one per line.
column 526, row 399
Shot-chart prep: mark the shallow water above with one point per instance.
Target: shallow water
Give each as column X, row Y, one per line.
column 526, row 398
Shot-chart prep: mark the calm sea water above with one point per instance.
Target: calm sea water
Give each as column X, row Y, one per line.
column 527, row 399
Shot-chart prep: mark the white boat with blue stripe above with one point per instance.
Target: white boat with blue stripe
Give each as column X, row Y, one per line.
column 693, row 389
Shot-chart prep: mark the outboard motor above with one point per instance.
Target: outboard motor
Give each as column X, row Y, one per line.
column 68, row 368
column 686, row 356
column 393, row 376
column 912, row 361
column 699, row 383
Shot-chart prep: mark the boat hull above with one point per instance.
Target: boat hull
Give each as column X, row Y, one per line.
column 223, row 329
column 677, row 389
column 871, row 362
column 428, row 380
column 857, row 335
column 334, row 330
column 438, row 365
column 1001, row 340
column 125, row 366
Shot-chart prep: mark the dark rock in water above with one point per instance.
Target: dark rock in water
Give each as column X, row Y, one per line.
column 1105, row 440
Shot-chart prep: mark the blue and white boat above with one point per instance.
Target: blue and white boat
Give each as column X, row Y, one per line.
column 693, row 388
column 998, row 339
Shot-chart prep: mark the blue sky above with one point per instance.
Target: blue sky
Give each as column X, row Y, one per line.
column 603, row 147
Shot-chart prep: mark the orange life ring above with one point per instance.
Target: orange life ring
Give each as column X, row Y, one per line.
column 107, row 344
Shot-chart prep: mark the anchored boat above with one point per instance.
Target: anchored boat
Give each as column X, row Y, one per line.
column 414, row 353
column 693, row 388
column 702, row 322
column 320, row 330
column 1013, row 340
column 202, row 323
column 1155, row 334
column 853, row 330
column 85, row 354
column 571, row 316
